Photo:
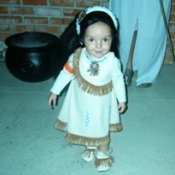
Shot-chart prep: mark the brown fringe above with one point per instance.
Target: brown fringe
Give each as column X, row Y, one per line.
column 62, row 126
column 104, row 162
column 87, row 86
column 80, row 140
column 115, row 127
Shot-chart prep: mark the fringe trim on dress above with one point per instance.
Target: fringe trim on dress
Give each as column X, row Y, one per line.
column 85, row 85
column 115, row 127
column 61, row 126
column 80, row 140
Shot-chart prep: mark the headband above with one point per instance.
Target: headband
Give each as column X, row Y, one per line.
column 83, row 14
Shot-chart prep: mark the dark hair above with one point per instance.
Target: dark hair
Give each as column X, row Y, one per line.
column 69, row 38
column 72, row 40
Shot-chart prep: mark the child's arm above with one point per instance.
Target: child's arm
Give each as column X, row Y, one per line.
column 118, row 82
column 119, row 86
column 64, row 77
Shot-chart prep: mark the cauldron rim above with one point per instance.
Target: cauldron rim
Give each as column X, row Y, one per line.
column 31, row 40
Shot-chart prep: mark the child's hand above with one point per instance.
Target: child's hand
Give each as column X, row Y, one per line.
column 122, row 107
column 52, row 101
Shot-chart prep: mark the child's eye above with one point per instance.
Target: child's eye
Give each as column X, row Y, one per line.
column 106, row 39
column 91, row 39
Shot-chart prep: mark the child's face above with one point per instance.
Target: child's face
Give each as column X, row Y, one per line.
column 98, row 39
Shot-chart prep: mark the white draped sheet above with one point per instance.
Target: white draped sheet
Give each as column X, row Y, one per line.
column 151, row 37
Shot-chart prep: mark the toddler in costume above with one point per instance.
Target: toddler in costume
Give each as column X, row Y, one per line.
column 96, row 93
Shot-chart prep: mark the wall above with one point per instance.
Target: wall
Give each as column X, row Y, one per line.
column 51, row 16
column 40, row 15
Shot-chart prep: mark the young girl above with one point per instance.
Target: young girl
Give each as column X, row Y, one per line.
column 96, row 93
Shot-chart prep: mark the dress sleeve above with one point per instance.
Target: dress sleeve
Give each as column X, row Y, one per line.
column 118, row 81
column 64, row 77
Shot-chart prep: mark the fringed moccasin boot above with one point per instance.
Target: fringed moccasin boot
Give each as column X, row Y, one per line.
column 104, row 160
column 89, row 154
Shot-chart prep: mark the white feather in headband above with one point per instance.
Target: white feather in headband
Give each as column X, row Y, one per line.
column 94, row 9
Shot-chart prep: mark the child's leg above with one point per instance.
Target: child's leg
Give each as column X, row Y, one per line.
column 104, row 159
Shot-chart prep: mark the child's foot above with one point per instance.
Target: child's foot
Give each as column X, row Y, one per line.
column 88, row 154
column 103, row 161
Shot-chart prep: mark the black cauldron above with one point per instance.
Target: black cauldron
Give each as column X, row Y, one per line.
column 34, row 56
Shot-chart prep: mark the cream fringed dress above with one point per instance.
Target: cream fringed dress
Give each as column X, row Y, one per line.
column 90, row 109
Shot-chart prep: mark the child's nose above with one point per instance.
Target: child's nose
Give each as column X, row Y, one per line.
column 98, row 44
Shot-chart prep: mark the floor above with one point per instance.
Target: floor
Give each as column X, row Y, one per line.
column 29, row 144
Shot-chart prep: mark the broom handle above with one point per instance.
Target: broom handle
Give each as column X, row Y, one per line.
column 132, row 47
